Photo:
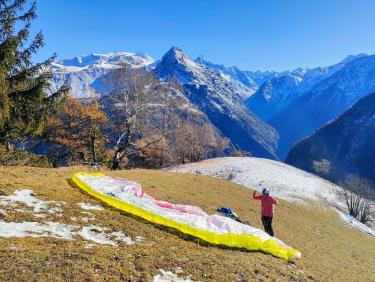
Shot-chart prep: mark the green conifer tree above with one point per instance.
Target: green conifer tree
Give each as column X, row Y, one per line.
column 25, row 99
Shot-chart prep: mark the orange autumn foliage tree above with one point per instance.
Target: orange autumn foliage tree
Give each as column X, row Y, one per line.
column 77, row 129
column 153, row 151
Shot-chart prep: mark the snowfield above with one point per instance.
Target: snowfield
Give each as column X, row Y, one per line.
column 285, row 182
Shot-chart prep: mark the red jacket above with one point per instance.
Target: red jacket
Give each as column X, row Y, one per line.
column 267, row 203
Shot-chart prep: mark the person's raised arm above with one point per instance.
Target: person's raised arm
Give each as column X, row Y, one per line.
column 275, row 202
column 255, row 197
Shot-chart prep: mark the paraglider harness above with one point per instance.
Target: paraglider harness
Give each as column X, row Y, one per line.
column 96, row 165
column 229, row 213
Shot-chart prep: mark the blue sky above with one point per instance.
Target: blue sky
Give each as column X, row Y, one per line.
column 261, row 34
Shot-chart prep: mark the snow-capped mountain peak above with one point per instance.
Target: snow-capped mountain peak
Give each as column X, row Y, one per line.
column 176, row 63
column 177, row 55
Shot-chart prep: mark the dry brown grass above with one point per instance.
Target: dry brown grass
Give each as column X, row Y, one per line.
column 330, row 250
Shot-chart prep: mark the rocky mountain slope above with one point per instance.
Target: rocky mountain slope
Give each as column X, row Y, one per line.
column 222, row 99
column 273, row 95
column 233, row 72
column 347, row 143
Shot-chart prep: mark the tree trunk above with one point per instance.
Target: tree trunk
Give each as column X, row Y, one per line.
column 120, row 150
column 92, row 149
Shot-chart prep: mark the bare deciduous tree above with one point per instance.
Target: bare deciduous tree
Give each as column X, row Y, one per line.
column 197, row 142
column 150, row 121
column 357, row 198
column 139, row 105
column 240, row 153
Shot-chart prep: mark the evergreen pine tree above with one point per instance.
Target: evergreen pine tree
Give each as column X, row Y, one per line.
column 24, row 99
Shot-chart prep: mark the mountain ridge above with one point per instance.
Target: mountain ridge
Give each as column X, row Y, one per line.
column 346, row 142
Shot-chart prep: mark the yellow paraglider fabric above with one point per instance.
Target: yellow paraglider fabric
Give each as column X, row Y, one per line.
column 247, row 241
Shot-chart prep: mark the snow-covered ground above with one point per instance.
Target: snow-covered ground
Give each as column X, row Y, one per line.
column 26, row 201
column 356, row 224
column 285, row 182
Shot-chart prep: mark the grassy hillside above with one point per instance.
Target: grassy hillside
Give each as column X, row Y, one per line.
column 330, row 250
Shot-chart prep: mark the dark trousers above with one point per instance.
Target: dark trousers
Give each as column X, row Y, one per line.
column 267, row 223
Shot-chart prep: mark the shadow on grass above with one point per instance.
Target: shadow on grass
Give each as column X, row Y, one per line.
column 170, row 230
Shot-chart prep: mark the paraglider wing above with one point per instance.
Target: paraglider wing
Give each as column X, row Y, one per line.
column 128, row 196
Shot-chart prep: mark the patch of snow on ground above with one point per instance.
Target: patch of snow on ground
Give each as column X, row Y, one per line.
column 34, row 205
column 139, row 239
column 36, row 229
column 97, row 235
column 179, row 270
column 28, row 198
column 63, row 231
column 88, row 206
column 120, row 236
column 168, row 276
column 90, row 246
column 351, row 221
column 86, row 219
column 89, row 216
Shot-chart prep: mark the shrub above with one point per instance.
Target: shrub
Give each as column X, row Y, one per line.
column 357, row 198
column 23, row 158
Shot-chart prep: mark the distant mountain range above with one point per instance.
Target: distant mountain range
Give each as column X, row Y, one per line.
column 324, row 101
column 264, row 113
column 347, row 143
column 83, row 73
column 278, row 92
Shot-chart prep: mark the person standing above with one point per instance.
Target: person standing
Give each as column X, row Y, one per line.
column 267, row 209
